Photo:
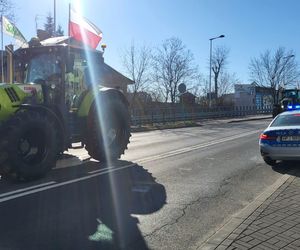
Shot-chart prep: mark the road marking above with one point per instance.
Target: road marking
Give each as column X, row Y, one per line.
column 195, row 147
column 25, row 189
column 38, row 190
column 100, row 170
column 51, row 185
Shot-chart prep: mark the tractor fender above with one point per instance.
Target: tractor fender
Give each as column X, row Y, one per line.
column 51, row 113
column 114, row 93
column 89, row 99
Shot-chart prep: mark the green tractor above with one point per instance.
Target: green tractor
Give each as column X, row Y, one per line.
column 289, row 99
column 59, row 102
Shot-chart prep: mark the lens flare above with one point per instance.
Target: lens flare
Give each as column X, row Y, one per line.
column 93, row 76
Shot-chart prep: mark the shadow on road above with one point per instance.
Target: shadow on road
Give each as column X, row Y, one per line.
column 288, row 167
column 90, row 214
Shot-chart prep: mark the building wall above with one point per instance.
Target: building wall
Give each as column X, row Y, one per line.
column 244, row 95
column 252, row 95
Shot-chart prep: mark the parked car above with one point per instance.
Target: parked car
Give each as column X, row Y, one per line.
column 281, row 139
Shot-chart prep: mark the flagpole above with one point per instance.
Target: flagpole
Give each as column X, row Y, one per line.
column 54, row 11
column 69, row 20
column 2, row 54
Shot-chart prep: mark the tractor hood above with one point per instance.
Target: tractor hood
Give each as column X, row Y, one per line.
column 13, row 95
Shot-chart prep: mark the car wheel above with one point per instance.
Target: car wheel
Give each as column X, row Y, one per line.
column 269, row 161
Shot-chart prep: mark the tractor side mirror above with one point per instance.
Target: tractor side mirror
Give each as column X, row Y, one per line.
column 70, row 63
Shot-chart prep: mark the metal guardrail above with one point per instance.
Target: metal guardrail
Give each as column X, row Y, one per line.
column 152, row 116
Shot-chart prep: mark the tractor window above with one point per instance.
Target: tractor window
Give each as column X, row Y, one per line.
column 75, row 85
column 84, row 72
column 42, row 67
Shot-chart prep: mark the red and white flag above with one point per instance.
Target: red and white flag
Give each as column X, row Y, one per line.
column 83, row 30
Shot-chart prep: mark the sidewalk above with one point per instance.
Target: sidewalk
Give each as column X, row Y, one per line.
column 272, row 221
column 197, row 123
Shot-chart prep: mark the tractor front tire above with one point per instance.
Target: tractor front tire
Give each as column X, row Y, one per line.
column 32, row 144
column 108, row 130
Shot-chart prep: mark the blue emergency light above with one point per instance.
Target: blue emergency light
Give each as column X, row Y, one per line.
column 291, row 107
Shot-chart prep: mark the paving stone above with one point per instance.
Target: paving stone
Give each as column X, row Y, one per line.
column 281, row 244
column 274, row 225
column 240, row 246
column 295, row 236
column 270, row 246
column 273, row 240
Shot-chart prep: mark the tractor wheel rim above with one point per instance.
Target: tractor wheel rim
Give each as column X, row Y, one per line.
column 32, row 146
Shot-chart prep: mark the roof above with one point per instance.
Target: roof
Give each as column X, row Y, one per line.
column 55, row 40
column 110, row 76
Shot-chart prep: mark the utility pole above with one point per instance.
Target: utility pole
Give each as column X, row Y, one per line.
column 54, row 17
column 210, row 56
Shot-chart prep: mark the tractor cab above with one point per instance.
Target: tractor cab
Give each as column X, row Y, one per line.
column 64, row 72
column 290, row 99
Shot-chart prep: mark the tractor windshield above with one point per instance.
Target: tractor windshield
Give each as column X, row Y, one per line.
column 43, row 67
column 291, row 94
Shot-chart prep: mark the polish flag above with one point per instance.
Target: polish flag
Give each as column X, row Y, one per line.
column 83, row 30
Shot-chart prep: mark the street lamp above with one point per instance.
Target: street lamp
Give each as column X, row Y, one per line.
column 210, row 55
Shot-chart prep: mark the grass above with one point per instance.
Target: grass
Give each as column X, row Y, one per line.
column 167, row 125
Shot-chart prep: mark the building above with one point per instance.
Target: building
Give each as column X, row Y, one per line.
column 252, row 95
column 187, row 98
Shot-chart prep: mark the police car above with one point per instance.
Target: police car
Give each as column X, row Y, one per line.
column 281, row 139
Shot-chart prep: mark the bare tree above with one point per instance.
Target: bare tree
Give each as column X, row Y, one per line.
column 199, row 88
column 7, row 9
column 173, row 64
column 227, row 82
column 157, row 93
column 137, row 64
column 274, row 70
column 218, row 61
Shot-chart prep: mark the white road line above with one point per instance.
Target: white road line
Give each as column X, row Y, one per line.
column 184, row 150
column 100, row 170
column 38, row 190
column 25, row 189
column 51, row 185
column 195, row 147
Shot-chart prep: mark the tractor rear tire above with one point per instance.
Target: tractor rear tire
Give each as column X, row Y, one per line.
column 108, row 130
column 32, row 144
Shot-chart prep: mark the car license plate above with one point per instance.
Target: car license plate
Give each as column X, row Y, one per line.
column 290, row 138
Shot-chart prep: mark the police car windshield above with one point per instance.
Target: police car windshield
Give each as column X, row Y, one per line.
column 287, row 120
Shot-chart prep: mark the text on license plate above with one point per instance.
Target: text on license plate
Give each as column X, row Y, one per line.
column 290, row 138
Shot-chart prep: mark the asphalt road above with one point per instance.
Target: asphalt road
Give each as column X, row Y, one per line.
column 172, row 190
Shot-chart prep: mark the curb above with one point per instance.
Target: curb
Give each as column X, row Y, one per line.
column 198, row 123
column 237, row 219
column 251, row 119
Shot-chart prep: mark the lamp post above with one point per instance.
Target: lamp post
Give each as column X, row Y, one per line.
column 210, row 55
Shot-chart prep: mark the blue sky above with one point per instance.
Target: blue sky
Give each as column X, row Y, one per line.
column 250, row 26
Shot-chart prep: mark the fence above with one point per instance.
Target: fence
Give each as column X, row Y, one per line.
column 157, row 115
